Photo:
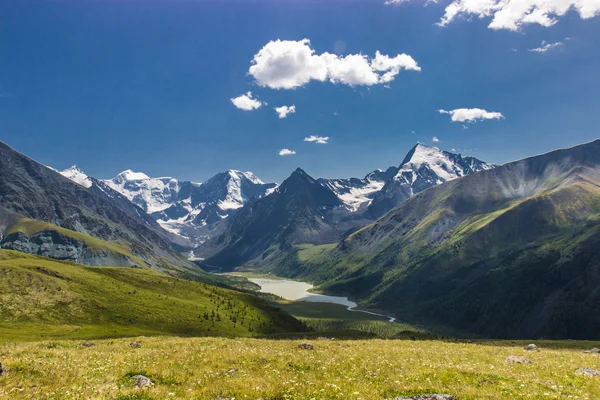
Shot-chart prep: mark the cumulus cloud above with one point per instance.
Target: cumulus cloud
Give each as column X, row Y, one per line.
column 513, row 14
column 317, row 139
column 288, row 64
column 283, row 111
column 546, row 46
column 435, row 139
column 392, row 2
column 286, row 152
column 246, row 102
column 471, row 114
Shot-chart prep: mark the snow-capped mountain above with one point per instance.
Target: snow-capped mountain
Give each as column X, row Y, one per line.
column 76, row 175
column 423, row 167
column 195, row 211
column 355, row 193
column 187, row 208
column 151, row 194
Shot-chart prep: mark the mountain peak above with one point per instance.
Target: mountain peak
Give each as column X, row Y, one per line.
column 298, row 177
column 73, row 167
column 300, row 172
column 129, row 175
column 238, row 175
column 419, row 153
column 75, row 174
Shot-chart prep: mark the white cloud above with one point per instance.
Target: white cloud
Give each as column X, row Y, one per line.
column 546, row 46
column 288, row 64
column 283, row 111
column 317, row 139
column 246, row 102
column 286, row 152
column 392, row 2
column 471, row 114
column 513, row 14
column 435, row 139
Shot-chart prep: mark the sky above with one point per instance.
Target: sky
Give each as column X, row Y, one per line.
column 191, row 88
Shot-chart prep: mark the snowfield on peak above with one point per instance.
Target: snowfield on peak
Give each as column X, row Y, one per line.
column 76, row 175
column 151, row 194
column 354, row 193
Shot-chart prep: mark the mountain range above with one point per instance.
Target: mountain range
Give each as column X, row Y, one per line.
column 194, row 215
column 511, row 252
column 441, row 239
column 318, row 211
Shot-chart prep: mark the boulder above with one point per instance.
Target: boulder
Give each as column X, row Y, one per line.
column 135, row 345
column 3, row 370
column 142, row 381
column 306, row 346
column 595, row 350
column 517, row 360
column 87, row 344
column 531, row 347
column 428, row 397
column 588, row 372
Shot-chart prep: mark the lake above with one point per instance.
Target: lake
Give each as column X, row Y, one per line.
column 299, row 291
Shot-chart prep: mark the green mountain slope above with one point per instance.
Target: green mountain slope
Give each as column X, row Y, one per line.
column 41, row 298
column 509, row 252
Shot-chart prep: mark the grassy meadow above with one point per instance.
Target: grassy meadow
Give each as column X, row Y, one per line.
column 205, row 368
column 199, row 342
column 45, row 299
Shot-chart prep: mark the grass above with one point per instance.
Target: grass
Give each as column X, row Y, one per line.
column 311, row 252
column 309, row 309
column 380, row 329
column 42, row 298
column 30, row 227
column 205, row 368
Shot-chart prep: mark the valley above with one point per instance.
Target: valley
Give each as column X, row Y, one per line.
column 299, row 295
column 300, row 200
column 462, row 253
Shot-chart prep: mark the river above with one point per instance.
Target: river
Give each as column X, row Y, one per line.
column 299, row 291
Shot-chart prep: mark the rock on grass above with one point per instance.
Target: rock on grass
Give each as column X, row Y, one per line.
column 531, row 347
column 3, row 370
column 588, row 372
column 428, row 397
column 306, row 346
column 595, row 350
column 135, row 345
column 142, row 381
column 517, row 360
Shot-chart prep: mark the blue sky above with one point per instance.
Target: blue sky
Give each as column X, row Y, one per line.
column 146, row 85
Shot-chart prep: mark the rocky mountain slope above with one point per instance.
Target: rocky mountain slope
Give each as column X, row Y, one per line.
column 31, row 190
column 300, row 210
column 508, row 252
